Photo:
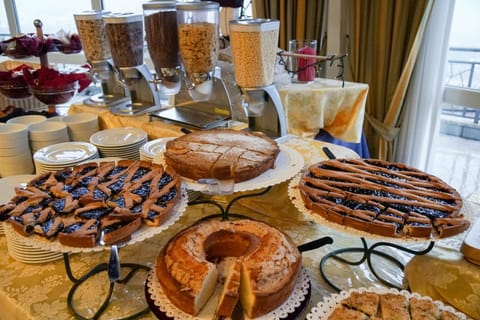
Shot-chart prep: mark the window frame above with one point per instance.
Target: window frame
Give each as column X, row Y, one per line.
column 13, row 20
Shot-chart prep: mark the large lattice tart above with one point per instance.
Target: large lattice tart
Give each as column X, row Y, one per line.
column 78, row 205
column 384, row 198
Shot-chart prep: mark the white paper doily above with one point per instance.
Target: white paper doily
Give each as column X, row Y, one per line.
column 144, row 232
column 160, row 301
column 324, row 308
column 296, row 198
column 288, row 163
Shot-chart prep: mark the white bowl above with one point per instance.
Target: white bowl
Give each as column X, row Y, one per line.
column 56, row 118
column 81, row 121
column 13, row 134
column 47, row 130
column 28, row 119
column 82, row 135
column 37, row 145
column 19, row 149
column 18, row 164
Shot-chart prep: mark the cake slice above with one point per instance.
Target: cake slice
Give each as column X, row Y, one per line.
column 447, row 315
column 423, row 309
column 343, row 313
column 394, row 306
column 230, row 271
column 366, row 302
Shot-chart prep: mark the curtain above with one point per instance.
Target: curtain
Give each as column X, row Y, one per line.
column 299, row 19
column 385, row 36
column 420, row 121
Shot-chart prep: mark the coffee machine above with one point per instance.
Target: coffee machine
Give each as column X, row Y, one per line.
column 201, row 100
column 91, row 29
column 254, row 45
column 125, row 37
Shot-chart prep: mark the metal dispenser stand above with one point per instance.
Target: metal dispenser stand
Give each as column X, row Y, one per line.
column 91, row 29
column 203, row 101
column 126, row 40
column 260, row 99
column 190, row 113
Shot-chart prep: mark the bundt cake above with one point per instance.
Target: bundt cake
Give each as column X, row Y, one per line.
column 261, row 270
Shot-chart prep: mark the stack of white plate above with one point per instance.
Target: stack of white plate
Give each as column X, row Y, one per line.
column 16, row 247
column 15, row 154
column 62, row 155
column 18, row 250
column 81, row 126
column 46, row 133
column 150, row 149
column 120, row 142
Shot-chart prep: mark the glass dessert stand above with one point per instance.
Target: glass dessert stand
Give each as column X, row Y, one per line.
column 53, row 96
column 388, row 249
column 112, row 268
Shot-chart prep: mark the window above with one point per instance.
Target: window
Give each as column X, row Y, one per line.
column 124, row 5
column 456, row 156
column 3, row 22
column 48, row 12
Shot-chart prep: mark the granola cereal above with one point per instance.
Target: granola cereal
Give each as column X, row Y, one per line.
column 94, row 39
column 198, row 43
column 253, row 55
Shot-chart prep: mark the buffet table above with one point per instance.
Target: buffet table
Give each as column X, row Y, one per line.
column 39, row 291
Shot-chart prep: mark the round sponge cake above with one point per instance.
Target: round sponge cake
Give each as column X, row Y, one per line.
column 223, row 154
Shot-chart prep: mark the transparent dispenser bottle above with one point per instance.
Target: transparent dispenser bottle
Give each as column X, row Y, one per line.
column 198, row 31
column 160, row 19
column 91, row 29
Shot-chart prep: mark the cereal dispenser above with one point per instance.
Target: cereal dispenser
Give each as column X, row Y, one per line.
column 125, row 38
column 160, row 18
column 91, row 29
column 203, row 101
column 254, row 45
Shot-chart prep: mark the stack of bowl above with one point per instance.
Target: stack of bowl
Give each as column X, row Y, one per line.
column 15, row 154
column 81, row 126
column 46, row 133
column 28, row 119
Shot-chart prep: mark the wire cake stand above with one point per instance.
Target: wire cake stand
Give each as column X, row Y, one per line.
column 381, row 246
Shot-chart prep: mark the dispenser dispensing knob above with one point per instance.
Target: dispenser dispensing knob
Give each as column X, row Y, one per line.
column 37, row 23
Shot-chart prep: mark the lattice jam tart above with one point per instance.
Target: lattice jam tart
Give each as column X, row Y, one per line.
column 76, row 205
column 384, row 198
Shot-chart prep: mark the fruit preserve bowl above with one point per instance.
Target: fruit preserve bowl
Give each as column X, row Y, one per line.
column 14, row 90
column 54, row 95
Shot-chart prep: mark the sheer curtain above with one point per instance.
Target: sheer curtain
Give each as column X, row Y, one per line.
column 420, row 117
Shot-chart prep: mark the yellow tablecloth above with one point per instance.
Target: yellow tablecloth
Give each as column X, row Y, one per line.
column 107, row 120
column 324, row 104
column 446, row 276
